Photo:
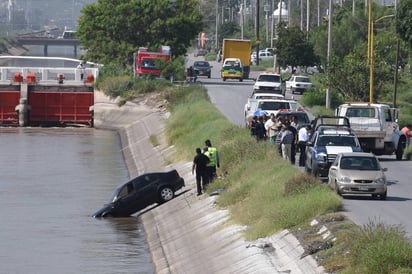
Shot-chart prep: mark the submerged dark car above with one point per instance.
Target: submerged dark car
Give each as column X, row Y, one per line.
column 140, row 192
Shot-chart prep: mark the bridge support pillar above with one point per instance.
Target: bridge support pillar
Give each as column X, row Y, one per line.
column 23, row 108
column 45, row 50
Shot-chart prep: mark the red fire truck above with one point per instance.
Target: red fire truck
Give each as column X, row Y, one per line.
column 145, row 61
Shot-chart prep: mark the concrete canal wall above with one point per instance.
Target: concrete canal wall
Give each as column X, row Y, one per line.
column 190, row 234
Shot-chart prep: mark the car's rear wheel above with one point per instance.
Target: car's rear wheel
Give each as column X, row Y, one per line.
column 166, row 194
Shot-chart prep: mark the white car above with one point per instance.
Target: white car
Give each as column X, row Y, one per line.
column 270, row 106
column 298, row 84
column 269, row 83
column 258, row 95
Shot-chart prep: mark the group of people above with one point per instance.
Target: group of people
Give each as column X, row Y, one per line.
column 285, row 133
column 205, row 163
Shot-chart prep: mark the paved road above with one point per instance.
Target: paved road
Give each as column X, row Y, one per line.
column 230, row 97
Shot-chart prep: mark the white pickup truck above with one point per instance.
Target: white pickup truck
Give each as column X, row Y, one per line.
column 376, row 127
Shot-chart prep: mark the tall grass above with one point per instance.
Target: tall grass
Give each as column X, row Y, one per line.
column 380, row 249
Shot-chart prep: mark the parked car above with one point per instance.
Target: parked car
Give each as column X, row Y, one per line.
column 332, row 135
column 358, row 173
column 302, row 117
column 263, row 56
column 298, row 84
column 202, row 68
column 269, row 106
column 269, row 82
column 140, row 192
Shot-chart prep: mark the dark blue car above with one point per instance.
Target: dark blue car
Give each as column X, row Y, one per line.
column 140, row 192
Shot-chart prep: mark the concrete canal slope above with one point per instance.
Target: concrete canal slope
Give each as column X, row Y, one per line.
column 189, row 234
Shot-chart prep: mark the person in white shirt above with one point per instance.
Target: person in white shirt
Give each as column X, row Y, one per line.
column 303, row 137
column 271, row 129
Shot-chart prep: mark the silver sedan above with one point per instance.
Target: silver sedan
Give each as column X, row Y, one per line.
column 358, row 173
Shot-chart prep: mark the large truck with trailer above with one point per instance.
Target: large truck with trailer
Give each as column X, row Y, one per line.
column 145, row 62
column 376, row 127
column 240, row 49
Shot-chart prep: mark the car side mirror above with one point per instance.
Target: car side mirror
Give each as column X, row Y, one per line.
column 333, row 167
column 384, row 169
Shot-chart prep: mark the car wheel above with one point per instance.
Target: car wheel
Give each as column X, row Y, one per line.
column 314, row 171
column 224, row 79
column 383, row 195
column 166, row 194
column 337, row 189
column 208, row 76
column 107, row 215
column 240, row 80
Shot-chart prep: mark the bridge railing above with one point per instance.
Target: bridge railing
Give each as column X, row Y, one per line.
column 47, row 75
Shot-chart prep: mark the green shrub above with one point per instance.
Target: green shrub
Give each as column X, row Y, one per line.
column 380, row 249
column 313, row 97
column 300, row 183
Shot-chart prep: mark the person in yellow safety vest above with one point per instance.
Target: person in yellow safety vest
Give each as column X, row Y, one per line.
column 214, row 160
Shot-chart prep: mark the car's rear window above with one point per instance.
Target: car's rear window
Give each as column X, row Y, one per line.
column 269, row 78
column 273, row 105
column 303, row 79
column 201, row 64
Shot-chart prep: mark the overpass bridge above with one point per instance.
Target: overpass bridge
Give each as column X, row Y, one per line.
column 46, row 42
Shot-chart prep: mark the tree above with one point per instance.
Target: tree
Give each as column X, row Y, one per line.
column 111, row 30
column 292, row 47
column 404, row 21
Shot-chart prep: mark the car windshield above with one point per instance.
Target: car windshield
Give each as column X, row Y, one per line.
column 273, row 105
column 148, row 64
column 359, row 163
column 269, row 78
column 336, row 140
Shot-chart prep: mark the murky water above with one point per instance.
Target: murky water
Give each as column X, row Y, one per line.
column 51, row 181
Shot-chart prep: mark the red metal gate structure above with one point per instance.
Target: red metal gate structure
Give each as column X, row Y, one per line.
column 8, row 102
column 64, row 108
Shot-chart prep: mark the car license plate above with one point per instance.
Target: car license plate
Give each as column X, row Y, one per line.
column 363, row 188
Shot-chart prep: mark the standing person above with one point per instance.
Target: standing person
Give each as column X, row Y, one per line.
column 260, row 129
column 252, row 126
column 303, row 137
column 81, row 67
column 200, row 164
column 214, row 160
column 270, row 127
column 408, row 133
column 294, row 144
column 286, row 141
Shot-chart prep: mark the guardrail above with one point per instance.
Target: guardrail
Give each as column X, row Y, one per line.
column 47, row 75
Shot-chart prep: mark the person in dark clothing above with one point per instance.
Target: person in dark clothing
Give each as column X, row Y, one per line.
column 199, row 164
column 294, row 144
column 260, row 129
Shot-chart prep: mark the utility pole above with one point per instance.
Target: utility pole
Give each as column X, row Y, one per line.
column 328, row 95
column 257, row 31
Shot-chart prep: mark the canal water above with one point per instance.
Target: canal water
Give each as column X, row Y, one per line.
column 51, row 181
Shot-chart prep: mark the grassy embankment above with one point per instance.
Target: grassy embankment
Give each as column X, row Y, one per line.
column 265, row 193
